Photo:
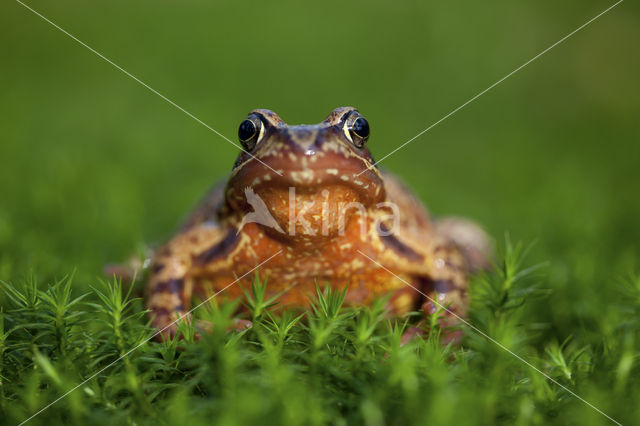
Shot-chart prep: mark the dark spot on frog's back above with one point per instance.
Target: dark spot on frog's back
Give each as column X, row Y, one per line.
column 396, row 245
column 220, row 250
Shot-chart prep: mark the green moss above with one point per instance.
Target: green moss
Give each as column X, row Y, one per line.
column 330, row 365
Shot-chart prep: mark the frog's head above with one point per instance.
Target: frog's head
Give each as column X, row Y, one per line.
column 323, row 167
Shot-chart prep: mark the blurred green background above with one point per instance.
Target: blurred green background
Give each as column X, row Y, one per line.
column 93, row 166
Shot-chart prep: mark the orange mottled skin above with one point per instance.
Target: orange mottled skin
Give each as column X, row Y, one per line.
column 327, row 169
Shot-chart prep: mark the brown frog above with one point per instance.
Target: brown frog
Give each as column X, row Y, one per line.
column 308, row 204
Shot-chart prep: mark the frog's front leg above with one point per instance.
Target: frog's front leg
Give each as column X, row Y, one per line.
column 169, row 291
column 171, row 282
column 444, row 292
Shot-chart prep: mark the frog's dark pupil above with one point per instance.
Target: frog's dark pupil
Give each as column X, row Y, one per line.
column 361, row 127
column 246, row 130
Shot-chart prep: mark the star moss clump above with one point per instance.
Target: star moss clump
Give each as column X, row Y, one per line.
column 89, row 356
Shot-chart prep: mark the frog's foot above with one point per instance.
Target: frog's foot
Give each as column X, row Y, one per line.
column 412, row 332
column 240, row 325
column 451, row 332
column 237, row 325
column 444, row 295
column 448, row 301
column 470, row 238
column 166, row 323
column 129, row 271
column 449, row 320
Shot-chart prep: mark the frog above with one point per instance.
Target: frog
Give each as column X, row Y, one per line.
column 307, row 205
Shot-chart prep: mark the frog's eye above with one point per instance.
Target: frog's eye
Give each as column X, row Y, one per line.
column 250, row 132
column 356, row 129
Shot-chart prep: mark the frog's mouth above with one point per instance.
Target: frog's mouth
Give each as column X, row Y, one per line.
column 308, row 174
column 321, row 197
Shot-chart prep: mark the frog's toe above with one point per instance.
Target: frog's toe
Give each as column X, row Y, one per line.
column 128, row 271
column 121, row 271
column 411, row 333
column 238, row 325
column 203, row 326
column 450, row 319
column 166, row 323
column 451, row 337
